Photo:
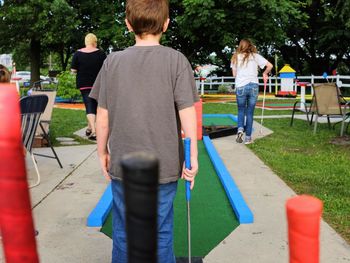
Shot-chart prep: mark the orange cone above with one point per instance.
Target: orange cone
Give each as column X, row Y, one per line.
column 304, row 216
column 16, row 221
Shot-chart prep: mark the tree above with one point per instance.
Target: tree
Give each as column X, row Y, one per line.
column 319, row 41
column 32, row 24
column 38, row 27
column 104, row 18
column 202, row 27
column 313, row 36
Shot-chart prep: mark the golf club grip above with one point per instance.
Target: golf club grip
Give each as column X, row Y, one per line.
column 187, row 144
column 140, row 180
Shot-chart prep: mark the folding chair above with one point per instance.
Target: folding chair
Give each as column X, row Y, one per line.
column 327, row 101
column 31, row 109
column 45, row 118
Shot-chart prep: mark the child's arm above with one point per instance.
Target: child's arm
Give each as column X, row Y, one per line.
column 234, row 72
column 189, row 126
column 102, row 131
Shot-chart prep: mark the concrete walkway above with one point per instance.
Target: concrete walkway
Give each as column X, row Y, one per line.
column 266, row 240
column 62, row 202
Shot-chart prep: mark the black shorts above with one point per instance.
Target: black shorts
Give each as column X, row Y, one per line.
column 90, row 103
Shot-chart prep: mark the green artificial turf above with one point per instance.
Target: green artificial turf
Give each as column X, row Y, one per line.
column 212, row 217
column 218, row 121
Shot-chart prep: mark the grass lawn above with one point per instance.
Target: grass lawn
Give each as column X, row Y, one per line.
column 308, row 163
column 311, row 164
column 65, row 122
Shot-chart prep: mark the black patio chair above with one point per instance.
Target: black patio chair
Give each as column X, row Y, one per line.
column 295, row 108
column 344, row 102
column 32, row 107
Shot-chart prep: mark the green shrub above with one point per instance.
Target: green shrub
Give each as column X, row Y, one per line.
column 224, row 88
column 23, row 91
column 67, row 87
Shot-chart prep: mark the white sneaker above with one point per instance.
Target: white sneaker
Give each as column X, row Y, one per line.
column 248, row 141
column 239, row 138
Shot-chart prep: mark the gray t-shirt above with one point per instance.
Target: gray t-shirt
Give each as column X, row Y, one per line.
column 143, row 88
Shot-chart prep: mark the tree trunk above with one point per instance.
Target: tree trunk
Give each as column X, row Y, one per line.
column 35, row 53
column 68, row 54
column 61, row 54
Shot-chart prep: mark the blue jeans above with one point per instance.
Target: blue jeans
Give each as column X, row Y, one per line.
column 246, row 99
column 166, row 196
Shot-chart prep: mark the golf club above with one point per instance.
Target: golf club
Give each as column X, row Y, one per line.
column 263, row 107
column 187, row 144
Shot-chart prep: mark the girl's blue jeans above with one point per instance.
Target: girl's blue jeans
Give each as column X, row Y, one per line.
column 166, row 196
column 246, row 97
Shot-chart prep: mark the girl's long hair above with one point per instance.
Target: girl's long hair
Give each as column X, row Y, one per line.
column 245, row 47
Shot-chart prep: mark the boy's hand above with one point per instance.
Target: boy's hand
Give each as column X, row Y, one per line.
column 189, row 175
column 104, row 161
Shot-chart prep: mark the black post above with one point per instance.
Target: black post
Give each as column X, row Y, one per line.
column 140, row 179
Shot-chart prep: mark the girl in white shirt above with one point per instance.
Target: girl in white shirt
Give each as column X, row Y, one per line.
column 245, row 62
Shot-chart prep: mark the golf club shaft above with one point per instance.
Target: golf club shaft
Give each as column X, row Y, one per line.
column 187, row 144
column 189, row 230
column 263, row 107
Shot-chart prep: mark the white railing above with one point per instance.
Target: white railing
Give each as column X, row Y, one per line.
column 211, row 84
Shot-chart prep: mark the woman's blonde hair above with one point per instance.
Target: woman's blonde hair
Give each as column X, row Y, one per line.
column 5, row 75
column 90, row 39
column 245, row 47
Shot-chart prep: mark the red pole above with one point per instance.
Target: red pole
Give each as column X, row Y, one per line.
column 304, row 216
column 16, row 223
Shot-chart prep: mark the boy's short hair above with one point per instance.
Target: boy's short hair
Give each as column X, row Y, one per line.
column 147, row 16
column 90, row 39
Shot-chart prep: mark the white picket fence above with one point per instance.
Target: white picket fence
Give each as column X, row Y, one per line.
column 210, row 85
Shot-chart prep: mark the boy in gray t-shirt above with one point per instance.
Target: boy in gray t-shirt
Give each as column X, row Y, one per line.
column 145, row 94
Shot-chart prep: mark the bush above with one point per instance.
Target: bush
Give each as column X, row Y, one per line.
column 67, row 87
column 224, row 88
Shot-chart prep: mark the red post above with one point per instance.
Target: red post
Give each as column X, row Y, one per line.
column 304, row 216
column 199, row 111
column 16, row 221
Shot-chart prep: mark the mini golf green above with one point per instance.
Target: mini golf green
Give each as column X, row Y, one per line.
column 212, row 217
column 218, row 121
